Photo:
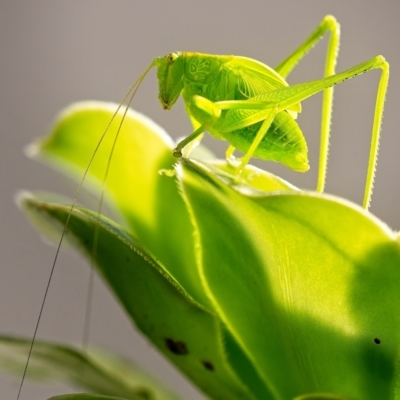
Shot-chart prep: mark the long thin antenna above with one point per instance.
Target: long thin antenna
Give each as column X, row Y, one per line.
column 86, row 330
column 133, row 89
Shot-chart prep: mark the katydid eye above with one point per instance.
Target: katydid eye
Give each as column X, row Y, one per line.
column 171, row 58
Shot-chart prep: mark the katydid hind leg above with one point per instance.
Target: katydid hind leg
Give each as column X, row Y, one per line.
column 328, row 24
column 287, row 96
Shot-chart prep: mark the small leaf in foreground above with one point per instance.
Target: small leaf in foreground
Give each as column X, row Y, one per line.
column 96, row 371
column 88, row 396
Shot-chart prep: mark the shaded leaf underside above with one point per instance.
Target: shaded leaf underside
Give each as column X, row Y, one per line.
column 185, row 332
column 306, row 286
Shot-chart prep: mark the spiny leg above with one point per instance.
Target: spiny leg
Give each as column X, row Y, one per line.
column 287, row 96
column 328, row 24
column 376, row 130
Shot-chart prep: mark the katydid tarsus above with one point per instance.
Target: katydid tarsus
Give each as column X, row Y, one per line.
column 252, row 107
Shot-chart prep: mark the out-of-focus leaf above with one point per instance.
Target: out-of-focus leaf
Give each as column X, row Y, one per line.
column 189, row 335
column 97, row 371
column 308, row 285
column 321, row 396
column 88, row 396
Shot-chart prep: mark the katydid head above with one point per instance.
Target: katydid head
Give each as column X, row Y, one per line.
column 170, row 78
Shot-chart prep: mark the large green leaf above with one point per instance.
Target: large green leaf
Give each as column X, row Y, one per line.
column 169, row 236
column 96, row 371
column 148, row 201
column 188, row 334
column 308, row 285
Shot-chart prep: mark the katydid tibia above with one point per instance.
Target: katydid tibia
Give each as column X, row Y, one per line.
column 252, row 107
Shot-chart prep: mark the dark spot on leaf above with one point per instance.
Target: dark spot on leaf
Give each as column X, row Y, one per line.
column 377, row 341
column 208, row 365
column 144, row 394
column 176, row 346
column 128, row 259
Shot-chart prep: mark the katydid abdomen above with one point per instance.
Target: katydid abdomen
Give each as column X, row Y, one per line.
column 283, row 142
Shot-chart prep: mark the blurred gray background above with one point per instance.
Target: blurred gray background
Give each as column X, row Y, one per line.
column 55, row 52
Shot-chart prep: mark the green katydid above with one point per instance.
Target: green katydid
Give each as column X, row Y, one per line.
column 252, row 106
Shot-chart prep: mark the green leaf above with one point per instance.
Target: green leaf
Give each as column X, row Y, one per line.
column 86, row 396
column 307, row 284
column 174, row 247
column 251, row 177
column 96, row 371
column 148, row 201
column 188, row 334
column 321, row 396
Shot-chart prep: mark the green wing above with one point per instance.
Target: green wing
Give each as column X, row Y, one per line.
column 255, row 78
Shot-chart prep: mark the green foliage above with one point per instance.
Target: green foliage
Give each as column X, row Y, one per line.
column 254, row 289
column 85, row 396
column 100, row 371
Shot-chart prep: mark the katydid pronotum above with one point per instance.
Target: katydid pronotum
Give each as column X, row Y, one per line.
column 251, row 106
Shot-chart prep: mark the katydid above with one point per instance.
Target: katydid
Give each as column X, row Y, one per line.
column 250, row 105
column 253, row 108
